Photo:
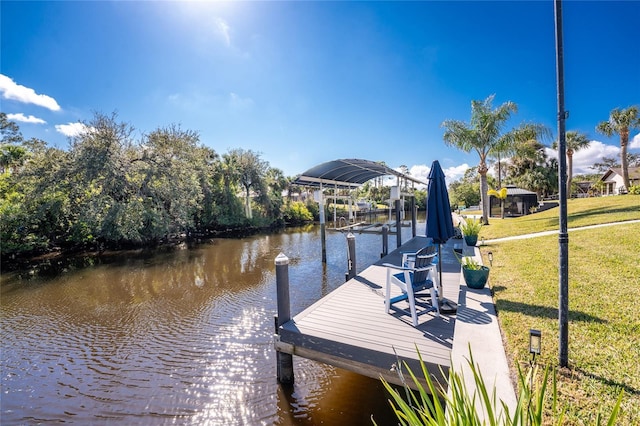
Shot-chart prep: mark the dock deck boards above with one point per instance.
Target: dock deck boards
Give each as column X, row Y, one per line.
column 350, row 329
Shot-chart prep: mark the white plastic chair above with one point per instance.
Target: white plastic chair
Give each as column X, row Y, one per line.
column 412, row 280
column 409, row 258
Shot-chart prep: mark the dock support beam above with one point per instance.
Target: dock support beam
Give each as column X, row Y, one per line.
column 398, row 225
column 385, row 241
column 284, row 360
column 323, row 232
column 414, row 216
column 351, row 256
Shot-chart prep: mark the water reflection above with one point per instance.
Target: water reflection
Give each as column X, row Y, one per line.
column 176, row 337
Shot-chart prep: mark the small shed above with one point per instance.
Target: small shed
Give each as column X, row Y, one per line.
column 518, row 203
column 583, row 189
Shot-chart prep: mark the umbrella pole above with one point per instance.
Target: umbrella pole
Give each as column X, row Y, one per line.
column 446, row 306
column 440, row 295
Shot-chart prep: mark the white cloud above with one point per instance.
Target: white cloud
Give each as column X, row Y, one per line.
column 551, row 153
column 421, row 172
column 17, row 92
column 189, row 101
column 25, row 119
column 635, row 142
column 223, row 29
column 72, row 129
column 584, row 159
column 238, row 103
column 455, row 172
column 182, row 101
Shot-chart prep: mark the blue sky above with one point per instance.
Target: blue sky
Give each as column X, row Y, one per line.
column 308, row 82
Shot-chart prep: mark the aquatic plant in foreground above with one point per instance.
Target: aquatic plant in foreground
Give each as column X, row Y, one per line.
column 463, row 405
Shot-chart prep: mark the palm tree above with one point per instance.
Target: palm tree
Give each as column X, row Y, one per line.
column 519, row 142
column 575, row 141
column 501, row 195
column 251, row 173
column 620, row 122
column 499, row 152
column 484, row 136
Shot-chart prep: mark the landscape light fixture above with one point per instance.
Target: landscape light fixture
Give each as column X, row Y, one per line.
column 490, row 255
column 481, row 241
column 535, row 338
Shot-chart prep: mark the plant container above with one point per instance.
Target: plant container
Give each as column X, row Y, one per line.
column 476, row 278
column 471, row 240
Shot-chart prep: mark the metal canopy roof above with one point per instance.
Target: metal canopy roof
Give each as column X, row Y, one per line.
column 514, row 190
column 348, row 173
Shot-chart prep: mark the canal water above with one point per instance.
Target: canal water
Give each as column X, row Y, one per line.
column 178, row 337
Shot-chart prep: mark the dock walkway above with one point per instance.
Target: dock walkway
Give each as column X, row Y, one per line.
column 350, row 329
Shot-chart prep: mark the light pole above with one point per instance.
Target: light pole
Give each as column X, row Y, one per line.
column 563, row 236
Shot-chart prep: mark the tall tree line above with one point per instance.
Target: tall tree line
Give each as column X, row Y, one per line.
column 109, row 189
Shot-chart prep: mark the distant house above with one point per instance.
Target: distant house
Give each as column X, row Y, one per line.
column 613, row 182
column 518, row 202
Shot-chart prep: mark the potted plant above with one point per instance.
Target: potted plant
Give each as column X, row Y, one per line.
column 475, row 275
column 470, row 229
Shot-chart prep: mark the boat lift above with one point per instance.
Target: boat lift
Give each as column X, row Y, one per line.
column 348, row 175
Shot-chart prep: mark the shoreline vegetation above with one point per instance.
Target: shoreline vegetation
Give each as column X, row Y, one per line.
column 297, row 215
column 90, row 252
column 110, row 191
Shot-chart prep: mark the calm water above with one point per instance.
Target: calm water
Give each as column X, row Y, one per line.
column 178, row 338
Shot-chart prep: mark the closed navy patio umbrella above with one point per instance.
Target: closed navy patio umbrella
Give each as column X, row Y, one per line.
column 439, row 222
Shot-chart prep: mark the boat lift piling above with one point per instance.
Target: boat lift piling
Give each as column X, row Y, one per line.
column 323, row 233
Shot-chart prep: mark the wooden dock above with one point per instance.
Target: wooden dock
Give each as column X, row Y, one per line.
column 350, row 329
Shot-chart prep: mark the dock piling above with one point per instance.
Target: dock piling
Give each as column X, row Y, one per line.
column 351, row 256
column 398, row 225
column 284, row 360
column 385, row 241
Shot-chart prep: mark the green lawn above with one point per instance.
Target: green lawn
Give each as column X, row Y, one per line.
column 581, row 212
column 604, row 301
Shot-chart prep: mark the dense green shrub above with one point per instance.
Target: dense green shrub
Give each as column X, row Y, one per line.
column 296, row 212
column 110, row 190
column 314, row 209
